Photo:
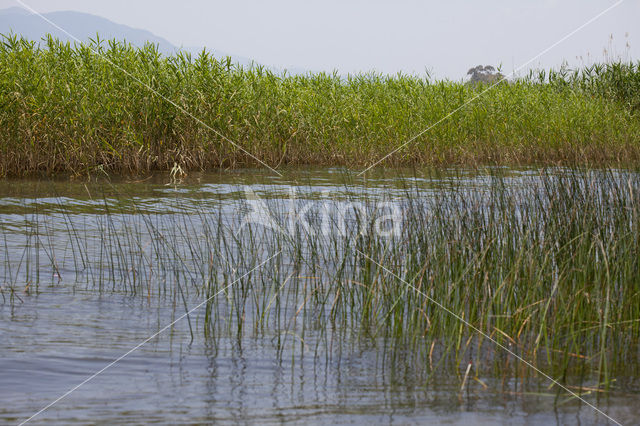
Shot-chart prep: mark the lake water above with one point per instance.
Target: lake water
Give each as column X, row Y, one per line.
column 93, row 270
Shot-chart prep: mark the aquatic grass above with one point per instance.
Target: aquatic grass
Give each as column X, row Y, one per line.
column 64, row 109
column 545, row 263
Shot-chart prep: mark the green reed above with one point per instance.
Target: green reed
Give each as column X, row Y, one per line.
column 65, row 109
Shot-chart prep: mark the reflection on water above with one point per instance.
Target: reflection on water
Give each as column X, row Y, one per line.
column 54, row 341
column 54, row 338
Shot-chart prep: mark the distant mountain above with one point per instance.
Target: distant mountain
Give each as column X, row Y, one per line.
column 84, row 26
column 81, row 25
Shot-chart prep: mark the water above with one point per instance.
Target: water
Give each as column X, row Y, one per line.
column 93, row 307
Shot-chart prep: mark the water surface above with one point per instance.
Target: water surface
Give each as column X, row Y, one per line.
column 83, row 307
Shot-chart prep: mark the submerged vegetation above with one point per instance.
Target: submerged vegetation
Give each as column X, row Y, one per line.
column 65, row 109
column 546, row 264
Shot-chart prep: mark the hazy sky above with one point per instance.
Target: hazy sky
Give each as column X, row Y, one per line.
column 446, row 37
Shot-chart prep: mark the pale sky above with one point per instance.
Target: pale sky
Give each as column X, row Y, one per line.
column 446, row 37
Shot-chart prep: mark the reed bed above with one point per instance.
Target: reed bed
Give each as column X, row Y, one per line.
column 545, row 264
column 65, row 109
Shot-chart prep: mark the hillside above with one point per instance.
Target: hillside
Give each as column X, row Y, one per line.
column 81, row 25
column 85, row 26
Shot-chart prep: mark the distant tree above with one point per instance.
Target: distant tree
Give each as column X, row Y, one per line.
column 484, row 74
